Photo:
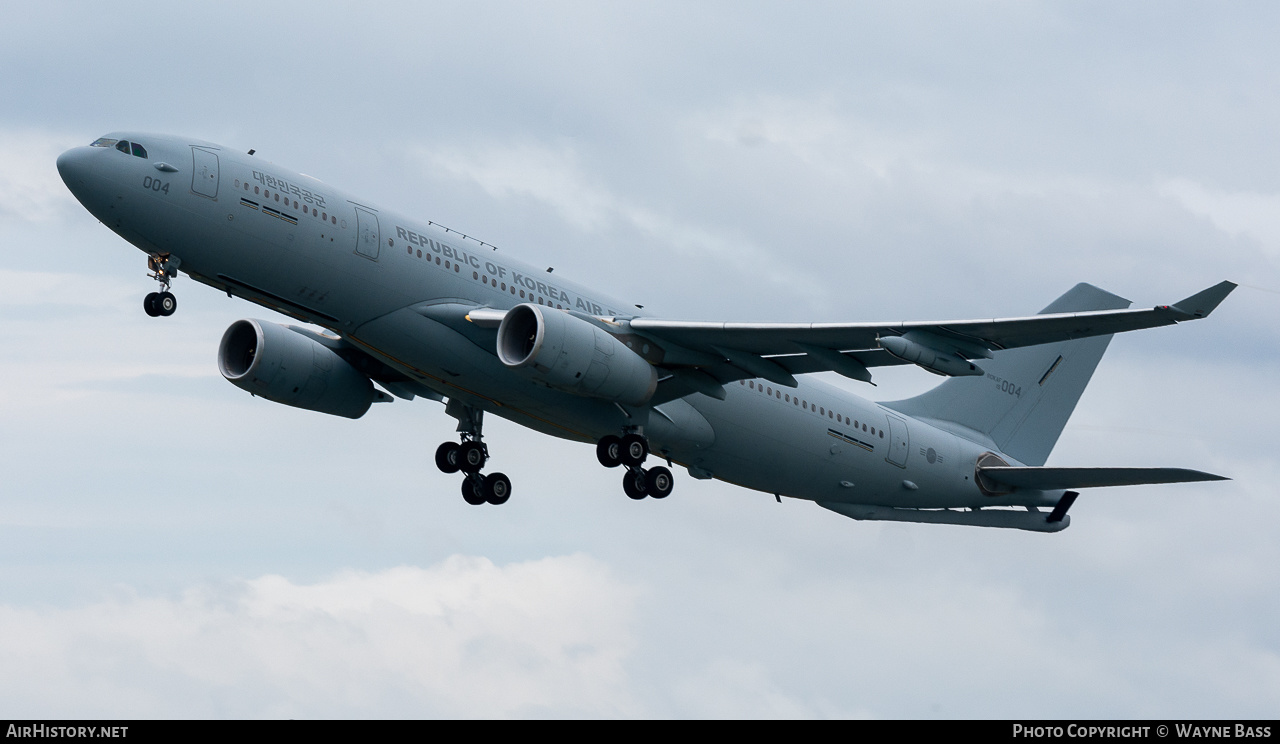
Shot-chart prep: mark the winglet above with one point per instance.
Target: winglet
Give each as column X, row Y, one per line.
column 1201, row 304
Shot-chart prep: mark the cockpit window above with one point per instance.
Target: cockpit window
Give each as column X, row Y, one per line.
column 124, row 146
column 103, row 142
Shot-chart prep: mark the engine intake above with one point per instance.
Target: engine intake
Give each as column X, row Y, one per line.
column 285, row 366
column 570, row 354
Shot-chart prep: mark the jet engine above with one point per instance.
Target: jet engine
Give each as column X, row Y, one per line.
column 286, row 366
column 570, row 354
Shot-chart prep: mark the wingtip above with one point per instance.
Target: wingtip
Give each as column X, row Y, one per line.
column 1202, row 303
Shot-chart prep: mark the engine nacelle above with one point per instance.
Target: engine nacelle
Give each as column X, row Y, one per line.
column 285, row 366
column 938, row 361
column 571, row 354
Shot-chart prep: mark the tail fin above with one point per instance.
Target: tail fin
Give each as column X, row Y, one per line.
column 1024, row 400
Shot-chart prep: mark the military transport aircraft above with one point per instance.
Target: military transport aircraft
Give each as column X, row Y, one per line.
column 413, row 309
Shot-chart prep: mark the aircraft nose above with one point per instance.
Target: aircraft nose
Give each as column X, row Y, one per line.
column 77, row 168
column 73, row 166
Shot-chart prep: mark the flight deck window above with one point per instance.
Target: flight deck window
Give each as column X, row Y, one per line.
column 139, row 151
column 123, row 146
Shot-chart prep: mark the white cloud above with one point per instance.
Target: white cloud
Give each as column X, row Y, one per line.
column 464, row 637
column 556, row 177
column 1236, row 212
column 30, row 188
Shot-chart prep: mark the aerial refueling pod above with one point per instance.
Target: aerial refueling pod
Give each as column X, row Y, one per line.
column 933, row 354
column 571, row 354
column 285, row 366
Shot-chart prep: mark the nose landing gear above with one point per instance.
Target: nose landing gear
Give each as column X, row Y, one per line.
column 163, row 269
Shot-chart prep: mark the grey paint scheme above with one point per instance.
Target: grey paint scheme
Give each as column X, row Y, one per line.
column 361, row 277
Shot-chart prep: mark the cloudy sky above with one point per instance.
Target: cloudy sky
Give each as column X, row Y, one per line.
column 170, row 546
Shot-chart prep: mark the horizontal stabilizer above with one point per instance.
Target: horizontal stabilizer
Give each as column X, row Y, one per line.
column 1053, row 479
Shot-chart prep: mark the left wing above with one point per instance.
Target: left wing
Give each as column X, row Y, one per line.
column 701, row 355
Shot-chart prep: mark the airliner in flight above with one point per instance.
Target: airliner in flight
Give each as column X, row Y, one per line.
column 412, row 309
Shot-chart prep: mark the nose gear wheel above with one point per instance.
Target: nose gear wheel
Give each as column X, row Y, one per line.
column 163, row 269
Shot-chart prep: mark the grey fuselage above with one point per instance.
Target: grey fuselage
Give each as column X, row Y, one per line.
column 389, row 283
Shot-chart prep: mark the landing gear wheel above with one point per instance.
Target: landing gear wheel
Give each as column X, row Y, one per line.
column 609, row 451
column 471, row 457
column 166, row 304
column 659, row 482
column 497, row 488
column 633, row 451
column 151, row 304
column 634, row 484
column 473, row 491
column 447, row 457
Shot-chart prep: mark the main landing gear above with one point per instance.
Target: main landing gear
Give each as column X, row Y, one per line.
column 163, row 269
column 469, row 456
column 630, row 451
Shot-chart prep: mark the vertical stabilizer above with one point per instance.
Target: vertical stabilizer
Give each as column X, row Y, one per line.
column 1024, row 400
